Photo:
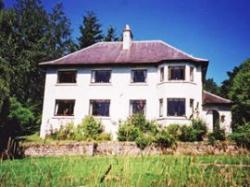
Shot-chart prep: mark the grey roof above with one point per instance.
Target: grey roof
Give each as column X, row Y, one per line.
column 146, row 52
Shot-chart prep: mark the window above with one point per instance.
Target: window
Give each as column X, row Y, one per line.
column 162, row 74
column 139, row 75
column 176, row 72
column 67, row 76
column 64, row 107
column 176, row 107
column 101, row 76
column 160, row 107
column 137, row 106
column 191, row 104
column 99, row 107
column 191, row 74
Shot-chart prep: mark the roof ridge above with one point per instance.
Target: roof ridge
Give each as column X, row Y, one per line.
column 228, row 100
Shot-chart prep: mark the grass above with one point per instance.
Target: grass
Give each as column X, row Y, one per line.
column 127, row 171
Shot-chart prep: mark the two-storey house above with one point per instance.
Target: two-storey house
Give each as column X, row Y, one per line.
column 113, row 80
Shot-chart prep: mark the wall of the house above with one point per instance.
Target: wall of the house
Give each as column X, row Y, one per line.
column 120, row 91
column 207, row 115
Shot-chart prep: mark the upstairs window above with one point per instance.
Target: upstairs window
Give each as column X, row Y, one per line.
column 160, row 107
column 138, row 75
column 137, row 106
column 99, row 107
column 176, row 72
column 191, row 74
column 64, row 107
column 67, row 76
column 176, row 107
column 101, row 76
column 161, row 74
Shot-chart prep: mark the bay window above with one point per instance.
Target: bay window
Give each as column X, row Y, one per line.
column 176, row 107
column 176, row 72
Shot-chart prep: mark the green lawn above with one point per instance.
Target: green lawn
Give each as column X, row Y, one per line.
column 127, row 171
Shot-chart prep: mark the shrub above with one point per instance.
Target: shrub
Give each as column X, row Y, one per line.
column 242, row 135
column 143, row 140
column 174, row 130
column 104, row 137
column 128, row 132
column 200, row 128
column 90, row 127
column 164, row 139
column 64, row 133
column 188, row 134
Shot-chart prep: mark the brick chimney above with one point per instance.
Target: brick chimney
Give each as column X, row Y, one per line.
column 127, row 37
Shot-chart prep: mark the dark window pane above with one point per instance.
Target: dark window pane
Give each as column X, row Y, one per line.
column 191, row 74
column 177, row 73
column 64, row 107
column 176, row 107
column 99, row 107
column 162, row 74
column 138, row 106
column 160, row 107
column 139, row 75
column 102, row 76
column 66, row 77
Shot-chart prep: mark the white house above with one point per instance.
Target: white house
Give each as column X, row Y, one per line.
column 112, row 80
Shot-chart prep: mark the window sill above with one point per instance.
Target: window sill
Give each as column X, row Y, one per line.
column 103, row 117
column 138, row 84
column 100, row 84
column 66, row 84
column 176, row 81
column 63, row 117
column 173, row 118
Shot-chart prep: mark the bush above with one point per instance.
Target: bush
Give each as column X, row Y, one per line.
column 164, row 139
column 174, row 130
column 128, row 132
column 242, row 135
column 200, row 128
column 143, row 140
column 188, row 134
column 90, row 127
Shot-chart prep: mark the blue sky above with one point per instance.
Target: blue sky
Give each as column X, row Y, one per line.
column 218, row 30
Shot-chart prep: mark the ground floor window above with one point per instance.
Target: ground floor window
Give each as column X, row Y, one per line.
column 64, row 107
column 137, row 106
column 99, row 107
column 160, row 107
column 176, row 107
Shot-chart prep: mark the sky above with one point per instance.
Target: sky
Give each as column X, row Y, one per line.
column 217, row 30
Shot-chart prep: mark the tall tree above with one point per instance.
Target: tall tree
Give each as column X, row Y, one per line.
column 211, row 86
column 239, row 92
column 111, row 36
column 90, row 30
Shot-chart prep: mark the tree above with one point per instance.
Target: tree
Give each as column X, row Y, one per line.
column 227, row 84
column 239, row 93
column 1, row 4
column 111, row 36
column 90, row 30
column 211, row 86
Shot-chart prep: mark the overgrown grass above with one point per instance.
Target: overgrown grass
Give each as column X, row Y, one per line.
column 127, row 171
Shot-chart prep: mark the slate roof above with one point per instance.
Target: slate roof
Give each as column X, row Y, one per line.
column 140, row 52
column 209, row 99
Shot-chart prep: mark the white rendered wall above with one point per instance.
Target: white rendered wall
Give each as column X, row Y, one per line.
column 119, row 92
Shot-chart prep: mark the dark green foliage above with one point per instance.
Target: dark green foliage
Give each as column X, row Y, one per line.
column 192, row 133
column 111, row 36
column 211, row 86
column 174, row 130
column 90, row 30
column 239, row 93
column 20, row 113
column 134, row 126
column 89, row 129
column 242, row 135
column 127, row 132
column 218, row 134
column 164, row 139
column 143, row 140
